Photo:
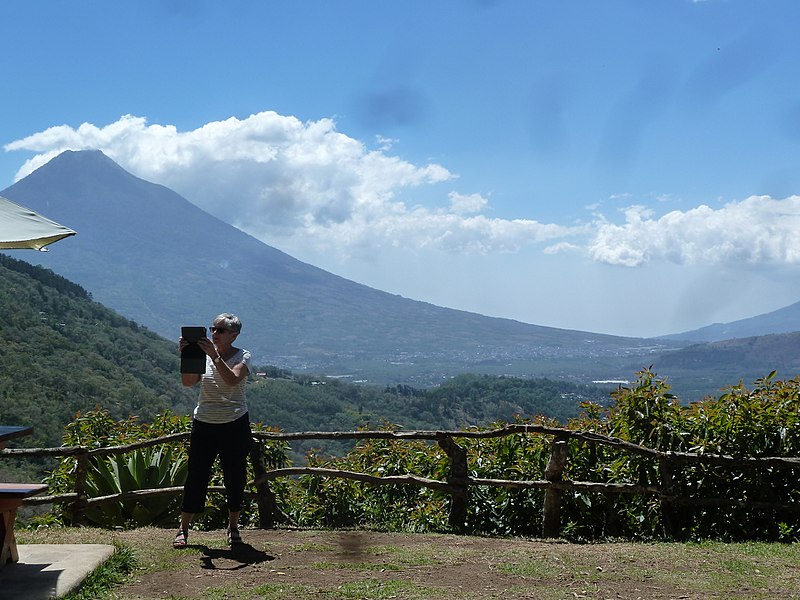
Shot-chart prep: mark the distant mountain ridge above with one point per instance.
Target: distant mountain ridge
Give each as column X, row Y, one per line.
column 783, row 320
column 153, row 256
column 751, row 357
column 707, row 368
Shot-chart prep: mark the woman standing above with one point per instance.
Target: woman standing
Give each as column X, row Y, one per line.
column 220, row 427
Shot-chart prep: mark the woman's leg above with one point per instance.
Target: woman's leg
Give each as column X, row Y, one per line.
column 186, row 520
column 203, row 449
column 233, row 456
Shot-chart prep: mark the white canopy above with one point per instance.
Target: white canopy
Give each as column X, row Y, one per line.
column 20, row 227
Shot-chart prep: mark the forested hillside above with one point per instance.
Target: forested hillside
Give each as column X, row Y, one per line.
column 301, row 403
column 63, row 353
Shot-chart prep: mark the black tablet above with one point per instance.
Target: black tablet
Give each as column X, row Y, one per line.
column 193, row 359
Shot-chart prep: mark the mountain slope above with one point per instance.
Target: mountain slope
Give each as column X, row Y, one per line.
column 758, row 354
column 64, row 354
column 154, row 257
column 783, row 320
column 703, row 369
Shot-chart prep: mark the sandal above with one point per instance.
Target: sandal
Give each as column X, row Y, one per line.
column 234, row 537
column 181, row 539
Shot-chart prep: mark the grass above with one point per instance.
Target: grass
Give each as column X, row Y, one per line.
column 335, row 565
column 358, row 590
column 721, row 566
column 362, row 566
column 107, row 576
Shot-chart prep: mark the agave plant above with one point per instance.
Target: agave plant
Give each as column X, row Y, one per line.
column 145, row 468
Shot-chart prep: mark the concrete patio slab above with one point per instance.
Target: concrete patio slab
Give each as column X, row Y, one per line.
column 47, row 571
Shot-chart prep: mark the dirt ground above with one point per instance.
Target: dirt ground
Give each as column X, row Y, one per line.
column 330, row 564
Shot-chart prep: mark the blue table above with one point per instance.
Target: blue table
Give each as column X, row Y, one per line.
column 10, row 432
column 11, row 496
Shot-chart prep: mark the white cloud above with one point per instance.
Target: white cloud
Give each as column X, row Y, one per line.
column 561, row 247
column 421, row 228
column 281, row 179
column 757, row 230
column 472, row 203
column 311, row 190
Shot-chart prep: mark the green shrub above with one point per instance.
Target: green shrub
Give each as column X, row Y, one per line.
column 764, row 421
column 141, row 469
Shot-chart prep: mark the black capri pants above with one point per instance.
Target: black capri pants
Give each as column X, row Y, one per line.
column 231, row 442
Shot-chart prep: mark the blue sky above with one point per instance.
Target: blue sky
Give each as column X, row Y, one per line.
column 620, row 167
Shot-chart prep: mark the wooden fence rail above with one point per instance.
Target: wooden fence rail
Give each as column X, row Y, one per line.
column 456, row 485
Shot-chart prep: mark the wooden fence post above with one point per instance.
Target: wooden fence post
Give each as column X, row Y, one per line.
column 551, row 517
column 458, row 475
column 81, row 473
column 669, row 516
column 265, row 498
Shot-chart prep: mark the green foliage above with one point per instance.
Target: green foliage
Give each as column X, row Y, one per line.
column 469, row 399
column 759, row 422
column 145, row 468
column 63, row 354
column 69, row 362
column 345, row 503
column 745, row 423
column 645, row 413
column 764, row 421
column 741, row 423
column 303, row 403
column 499, row 510
column 141, row 469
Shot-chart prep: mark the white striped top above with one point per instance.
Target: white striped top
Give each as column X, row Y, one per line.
column 220, row 402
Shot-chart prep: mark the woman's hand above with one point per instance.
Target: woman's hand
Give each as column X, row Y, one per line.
column 207, row 346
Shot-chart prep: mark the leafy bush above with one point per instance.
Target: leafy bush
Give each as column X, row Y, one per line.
column 141, row 469
column 340, row 503
column 764, row 421
column 148, row 468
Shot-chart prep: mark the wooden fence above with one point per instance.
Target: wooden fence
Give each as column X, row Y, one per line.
column 457, row 484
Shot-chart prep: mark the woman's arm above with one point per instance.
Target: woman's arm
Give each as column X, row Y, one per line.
column 232, row 375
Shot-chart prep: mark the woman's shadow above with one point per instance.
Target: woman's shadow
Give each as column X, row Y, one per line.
column 241, row 555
